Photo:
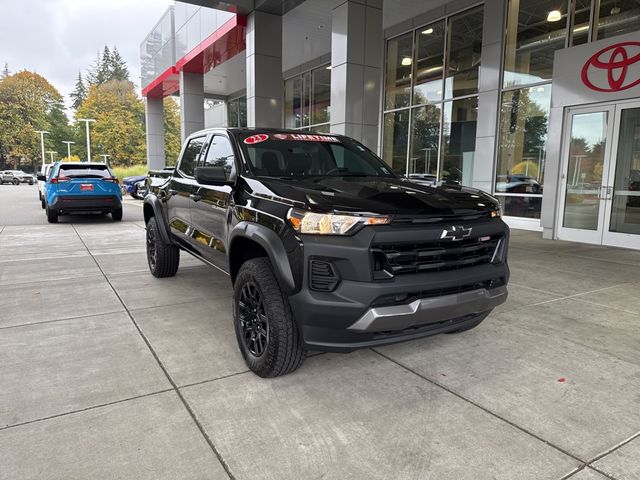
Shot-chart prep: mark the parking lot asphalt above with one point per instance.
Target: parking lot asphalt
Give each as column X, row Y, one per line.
column 108, row 372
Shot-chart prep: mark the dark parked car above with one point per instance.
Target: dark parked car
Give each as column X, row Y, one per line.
column 135, row 186
column 326, row 248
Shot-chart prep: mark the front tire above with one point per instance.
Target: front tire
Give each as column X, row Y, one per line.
column 163, row 258
column 39, row 195
column 116, row 215
column 267, row 333
column 52, row 215
column 16, row 181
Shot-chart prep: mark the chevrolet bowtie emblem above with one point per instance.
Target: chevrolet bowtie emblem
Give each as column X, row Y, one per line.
column 456, row 233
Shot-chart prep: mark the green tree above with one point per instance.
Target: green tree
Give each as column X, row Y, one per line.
column 172, row 141
column 119, row 127
column 27, row 103
column 119, row 69
column 79, row 92
column 92, row 72
column 105, row 69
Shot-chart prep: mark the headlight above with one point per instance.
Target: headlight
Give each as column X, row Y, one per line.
column 329, row 223
column 497, row 212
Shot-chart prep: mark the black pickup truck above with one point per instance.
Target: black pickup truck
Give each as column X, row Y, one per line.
column 327, row 249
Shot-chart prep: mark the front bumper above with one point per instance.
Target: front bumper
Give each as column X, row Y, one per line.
column 363, row 312
column 86, row 204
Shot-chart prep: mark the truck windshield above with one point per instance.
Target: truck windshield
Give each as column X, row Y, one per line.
column 286, row 155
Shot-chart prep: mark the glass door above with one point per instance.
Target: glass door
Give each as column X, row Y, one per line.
column 585, row 174
column 622, row 217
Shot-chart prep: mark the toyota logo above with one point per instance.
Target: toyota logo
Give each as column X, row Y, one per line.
column 620, row 63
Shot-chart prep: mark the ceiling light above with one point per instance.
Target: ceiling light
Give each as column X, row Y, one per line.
column 428, row 31
column 615, row 10
column 406, row 61
column 328, row 67
column 554, row 16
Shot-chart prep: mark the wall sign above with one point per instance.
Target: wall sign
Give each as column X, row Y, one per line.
column 616, row 61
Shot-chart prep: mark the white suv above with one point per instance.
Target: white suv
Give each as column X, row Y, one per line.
column 44, row 170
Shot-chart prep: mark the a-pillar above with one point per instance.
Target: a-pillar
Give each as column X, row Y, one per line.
column 154, row 116
column 264, row 70
column 356, row 63
column 191, row 103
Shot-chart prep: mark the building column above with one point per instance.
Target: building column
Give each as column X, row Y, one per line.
column 191, row 103
column 264, row 70
column 489, row 95
column 154, row 117
column 356, row 69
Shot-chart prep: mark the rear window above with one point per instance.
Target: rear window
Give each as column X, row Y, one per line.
column 93, row 171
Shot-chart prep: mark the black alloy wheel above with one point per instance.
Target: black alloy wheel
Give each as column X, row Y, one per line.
column 163, row 258
column 254, row 322
column 152, row 248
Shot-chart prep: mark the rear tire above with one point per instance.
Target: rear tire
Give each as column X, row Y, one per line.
column 267, row 334
column 116, row 215
column 39, row 195
column 52, row 215
column 16, row 181
column 163, row 258
column 42, row 204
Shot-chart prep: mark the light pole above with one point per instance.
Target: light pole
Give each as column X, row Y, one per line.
column 52, row 153
column 104, row 157
column 69, row 143
column 42, row 134
column 87, row 121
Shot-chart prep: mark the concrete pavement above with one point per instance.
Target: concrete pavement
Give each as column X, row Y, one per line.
column 108, row 372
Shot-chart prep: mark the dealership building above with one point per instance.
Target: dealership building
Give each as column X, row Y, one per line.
column 534, row 101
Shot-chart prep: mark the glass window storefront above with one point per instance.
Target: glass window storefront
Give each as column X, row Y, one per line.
column 307, row 100
column 524, row 117
column 458, row 140
column 535, row 30
column 463, row 54
column 616, row 17
column 237, row 112
column 430, row 98
column 398, row 76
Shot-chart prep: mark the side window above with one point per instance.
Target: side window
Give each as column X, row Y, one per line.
column 220, row 154
column 190, row 155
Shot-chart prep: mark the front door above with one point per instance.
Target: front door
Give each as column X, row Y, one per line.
column 600, row 195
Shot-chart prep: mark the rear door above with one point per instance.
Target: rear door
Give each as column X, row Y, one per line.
column 210, row 209
column 182, row 185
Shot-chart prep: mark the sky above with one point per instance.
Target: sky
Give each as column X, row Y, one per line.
column 56, row 38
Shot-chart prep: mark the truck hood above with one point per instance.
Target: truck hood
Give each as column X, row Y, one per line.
column 382, row 195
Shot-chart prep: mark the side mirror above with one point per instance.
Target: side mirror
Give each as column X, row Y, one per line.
column 41, row 178
column 212, row 176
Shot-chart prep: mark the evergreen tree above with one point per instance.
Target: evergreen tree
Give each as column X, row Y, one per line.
column 79, row 93
column 5, row 71
column 104, row 73
column 92, row 71
column 119, row 69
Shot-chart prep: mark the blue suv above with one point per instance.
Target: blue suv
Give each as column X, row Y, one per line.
column 81, row 188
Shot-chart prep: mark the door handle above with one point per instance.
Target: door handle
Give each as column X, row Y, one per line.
column 195, row 197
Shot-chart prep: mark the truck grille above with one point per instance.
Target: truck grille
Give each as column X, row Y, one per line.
column 438, row 256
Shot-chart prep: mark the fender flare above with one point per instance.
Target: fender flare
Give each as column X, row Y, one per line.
column 158, row 212
column 272, row 244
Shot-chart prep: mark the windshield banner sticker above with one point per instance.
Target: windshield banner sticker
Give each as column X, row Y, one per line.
column 256, row 139
column 305, row 137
